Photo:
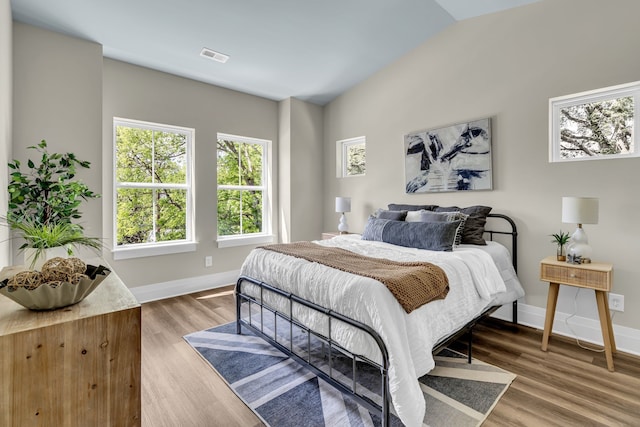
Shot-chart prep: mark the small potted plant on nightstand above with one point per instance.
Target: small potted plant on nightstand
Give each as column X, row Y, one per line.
column 560, row 239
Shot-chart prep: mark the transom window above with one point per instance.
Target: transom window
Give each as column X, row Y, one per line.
column 242, row 163
column 153, row 184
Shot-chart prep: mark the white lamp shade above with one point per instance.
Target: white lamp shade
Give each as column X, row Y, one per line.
column 343, row 204
column 580, row 210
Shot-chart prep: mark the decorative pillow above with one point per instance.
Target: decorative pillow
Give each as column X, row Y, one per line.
column 396, row 215
column 414, row 216
column 435, row 236
column 401, row 207
column 428, row 216
column 473, row 230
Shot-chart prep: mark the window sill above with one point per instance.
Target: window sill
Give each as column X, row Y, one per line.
column 229, row 242
column 153, row 250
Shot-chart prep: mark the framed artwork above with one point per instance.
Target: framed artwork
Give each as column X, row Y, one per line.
column 451, row 158
column 598, row 124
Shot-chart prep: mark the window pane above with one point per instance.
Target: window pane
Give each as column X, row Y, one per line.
column 171, row 220
column 134, row 148
column 250, row 164
column 356, row 159
column 228, row 212
column 170, row 157
column 228, row 162
column 252, row 211
column 135, row 216
column 597, row 128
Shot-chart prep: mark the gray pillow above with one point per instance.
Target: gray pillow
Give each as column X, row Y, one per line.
column 473, row 230
column 391, row 214
column 401, row 207
column 435, row 236
column 428, row 216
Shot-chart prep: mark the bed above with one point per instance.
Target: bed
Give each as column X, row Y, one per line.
column 296, row 304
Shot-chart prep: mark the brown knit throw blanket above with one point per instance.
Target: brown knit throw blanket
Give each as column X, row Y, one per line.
column 412, row 283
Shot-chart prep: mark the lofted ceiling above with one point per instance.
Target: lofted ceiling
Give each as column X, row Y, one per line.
column 312, row 50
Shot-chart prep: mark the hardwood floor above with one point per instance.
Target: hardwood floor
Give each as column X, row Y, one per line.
column 566, row 386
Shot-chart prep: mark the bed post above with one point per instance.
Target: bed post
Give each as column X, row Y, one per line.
column 238, row 302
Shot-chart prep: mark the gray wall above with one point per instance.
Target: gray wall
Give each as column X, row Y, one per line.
column 506, row 66
column 300, row 170
column 142, row 94
column 6, row 62
column 57, row 84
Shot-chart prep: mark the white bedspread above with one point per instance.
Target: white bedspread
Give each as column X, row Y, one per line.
column 474, row 282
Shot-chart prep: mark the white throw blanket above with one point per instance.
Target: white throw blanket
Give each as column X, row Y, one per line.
column 474, row 281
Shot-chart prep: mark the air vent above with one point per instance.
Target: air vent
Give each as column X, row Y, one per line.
column 212, row 54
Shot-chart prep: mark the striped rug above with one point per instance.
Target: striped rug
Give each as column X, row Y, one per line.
column 283, row 393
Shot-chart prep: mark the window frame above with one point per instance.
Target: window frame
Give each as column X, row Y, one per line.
column 598, row 95
column 137, row 250
column 266, row 235
column 342, row 151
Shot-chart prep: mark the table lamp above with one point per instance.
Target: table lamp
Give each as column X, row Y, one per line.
column 579, row 210
column 343, row 204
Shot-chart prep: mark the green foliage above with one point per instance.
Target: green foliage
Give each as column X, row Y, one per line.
column 561, row 238
column 239, row 210
column 597, row 128
column 152, row 158
column 48, row 193
column 45, row 236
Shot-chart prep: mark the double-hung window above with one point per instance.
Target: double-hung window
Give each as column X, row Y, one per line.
column 243, row 190
column 153, row 209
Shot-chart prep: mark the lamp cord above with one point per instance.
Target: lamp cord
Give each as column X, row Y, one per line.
column 575, row 310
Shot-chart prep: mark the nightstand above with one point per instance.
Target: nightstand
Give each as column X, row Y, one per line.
column 597, row 276
column 331, row 234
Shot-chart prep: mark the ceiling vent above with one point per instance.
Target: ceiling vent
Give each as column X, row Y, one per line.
column 212, row 54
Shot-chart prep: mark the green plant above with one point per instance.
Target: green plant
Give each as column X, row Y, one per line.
column 45, row 199
column 47, row 193
column 45, row 236
column 561, row 238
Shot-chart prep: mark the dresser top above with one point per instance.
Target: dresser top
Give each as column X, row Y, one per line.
column 110, row 296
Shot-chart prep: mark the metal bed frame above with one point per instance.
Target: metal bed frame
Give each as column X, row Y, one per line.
column 349, row 388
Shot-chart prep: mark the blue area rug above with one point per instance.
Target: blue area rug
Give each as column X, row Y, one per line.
column 284, row 394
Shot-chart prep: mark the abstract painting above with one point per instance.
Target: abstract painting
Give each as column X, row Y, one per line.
column 451, row 158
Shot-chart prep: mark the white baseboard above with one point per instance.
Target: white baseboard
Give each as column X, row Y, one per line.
column 174, row 288
column 587, row 330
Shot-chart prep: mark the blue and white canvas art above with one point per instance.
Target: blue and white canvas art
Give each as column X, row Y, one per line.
column 451, row 158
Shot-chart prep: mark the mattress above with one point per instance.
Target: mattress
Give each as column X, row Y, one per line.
column 479, row 277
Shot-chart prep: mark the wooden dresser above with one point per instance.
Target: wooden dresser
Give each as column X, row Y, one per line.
column 75, row 366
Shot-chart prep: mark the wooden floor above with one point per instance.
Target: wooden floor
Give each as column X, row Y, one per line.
column 566, row 386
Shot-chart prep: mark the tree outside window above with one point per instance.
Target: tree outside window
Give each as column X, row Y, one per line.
column 353, row 156
column 153, row 183
column 594, row 125
column 241, row 165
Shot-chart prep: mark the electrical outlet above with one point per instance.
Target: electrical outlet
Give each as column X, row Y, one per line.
column 616, row 302
column 208, row 261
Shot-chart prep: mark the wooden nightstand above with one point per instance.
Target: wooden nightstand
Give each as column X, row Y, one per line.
column 597, row 276
column 331, row 234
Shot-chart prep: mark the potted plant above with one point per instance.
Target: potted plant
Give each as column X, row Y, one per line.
column 44, row 201
column 560, row 239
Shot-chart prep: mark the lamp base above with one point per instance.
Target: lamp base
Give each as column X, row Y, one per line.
column 579, row 251
column 343, row 227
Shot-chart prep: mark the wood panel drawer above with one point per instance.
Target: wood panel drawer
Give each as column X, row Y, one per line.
column 576, row 276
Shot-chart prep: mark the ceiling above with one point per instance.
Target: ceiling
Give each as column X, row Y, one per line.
column 312, row 50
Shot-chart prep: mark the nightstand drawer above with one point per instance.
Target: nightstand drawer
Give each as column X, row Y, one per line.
column 576, row 276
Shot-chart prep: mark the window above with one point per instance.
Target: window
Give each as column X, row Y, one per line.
column 351, row 157
column 153, row 186
column 599, row 124
column 242, row 165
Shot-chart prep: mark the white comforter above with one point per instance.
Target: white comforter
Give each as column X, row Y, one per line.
column 474, row 281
